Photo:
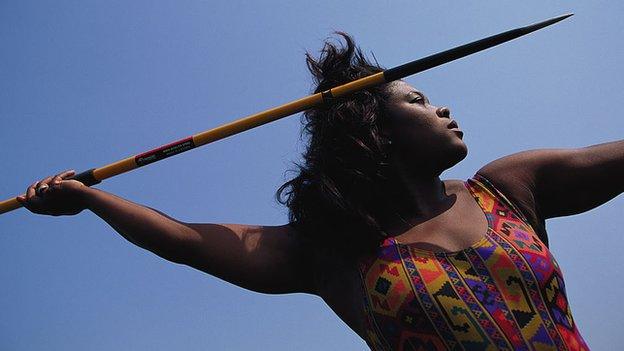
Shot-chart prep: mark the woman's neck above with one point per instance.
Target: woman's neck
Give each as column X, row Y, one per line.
column 416, row 196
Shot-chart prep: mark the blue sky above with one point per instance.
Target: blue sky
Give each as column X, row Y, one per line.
column 85, row 83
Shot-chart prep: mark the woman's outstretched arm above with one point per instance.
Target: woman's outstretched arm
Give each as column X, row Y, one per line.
column 260, row 258
column 559, row 182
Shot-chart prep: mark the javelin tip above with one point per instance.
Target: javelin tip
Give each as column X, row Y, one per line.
column 548, row 22
column 562, row 17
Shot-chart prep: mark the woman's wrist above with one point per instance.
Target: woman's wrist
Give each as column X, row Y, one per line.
column 86, row 195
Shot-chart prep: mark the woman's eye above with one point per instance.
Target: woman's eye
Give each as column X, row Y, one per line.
column 418, row 100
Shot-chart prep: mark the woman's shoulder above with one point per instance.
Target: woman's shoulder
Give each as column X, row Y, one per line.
column 517, row 194
column 512, row 193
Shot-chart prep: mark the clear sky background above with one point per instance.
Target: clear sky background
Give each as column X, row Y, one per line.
column 85, row 83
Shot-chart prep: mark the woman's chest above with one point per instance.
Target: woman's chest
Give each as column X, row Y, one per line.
column 496, row 292
column 461, row 225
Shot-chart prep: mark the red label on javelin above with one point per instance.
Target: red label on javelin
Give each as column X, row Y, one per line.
column 164, row 151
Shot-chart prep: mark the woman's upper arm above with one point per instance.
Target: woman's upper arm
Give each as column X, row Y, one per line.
column 267, row 259
column 550, row 183
column 564, row 181
column 514, row 176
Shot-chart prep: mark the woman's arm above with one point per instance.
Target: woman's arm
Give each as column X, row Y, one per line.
column 260, row 258
column 268, row 259
column 559, row 182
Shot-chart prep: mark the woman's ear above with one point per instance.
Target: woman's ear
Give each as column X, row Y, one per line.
column 383, row 128
column 384, row 135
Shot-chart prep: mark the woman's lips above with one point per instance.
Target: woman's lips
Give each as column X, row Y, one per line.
column 453, row 126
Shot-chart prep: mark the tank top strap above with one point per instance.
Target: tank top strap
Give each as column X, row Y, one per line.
column 487, row 195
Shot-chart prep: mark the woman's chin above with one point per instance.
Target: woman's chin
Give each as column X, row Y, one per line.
column 459, row 153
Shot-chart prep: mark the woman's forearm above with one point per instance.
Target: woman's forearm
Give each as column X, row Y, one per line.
column 142, row 226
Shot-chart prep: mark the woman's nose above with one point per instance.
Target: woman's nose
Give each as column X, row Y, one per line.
column 443, row 112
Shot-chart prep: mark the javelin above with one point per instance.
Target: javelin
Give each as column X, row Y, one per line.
column 96, row 175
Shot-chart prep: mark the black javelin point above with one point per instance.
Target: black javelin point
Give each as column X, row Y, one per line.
column 465, row 50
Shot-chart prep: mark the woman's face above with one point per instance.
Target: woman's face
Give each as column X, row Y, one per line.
column 421, row 131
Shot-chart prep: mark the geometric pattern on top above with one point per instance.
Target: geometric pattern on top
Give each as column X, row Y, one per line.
column 504, row 292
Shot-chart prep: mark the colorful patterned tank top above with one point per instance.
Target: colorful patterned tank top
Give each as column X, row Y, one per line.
column 504, row 292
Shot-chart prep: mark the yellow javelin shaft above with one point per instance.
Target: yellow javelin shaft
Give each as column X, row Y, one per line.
column 96, row 175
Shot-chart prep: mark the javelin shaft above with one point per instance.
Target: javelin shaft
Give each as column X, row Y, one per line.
column 96, row 175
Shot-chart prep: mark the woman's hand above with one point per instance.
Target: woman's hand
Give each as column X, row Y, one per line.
column 55, row 195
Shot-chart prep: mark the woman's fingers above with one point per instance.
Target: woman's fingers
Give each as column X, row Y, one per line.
column 57, row 179
column 30, row 191
column 28, row 199
column 41, row 187
column 66, row 174
column 48, row 196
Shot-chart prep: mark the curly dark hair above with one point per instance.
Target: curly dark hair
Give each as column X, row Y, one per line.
column 336, row 199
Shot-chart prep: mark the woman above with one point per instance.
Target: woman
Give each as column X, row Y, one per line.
column 407, row 260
